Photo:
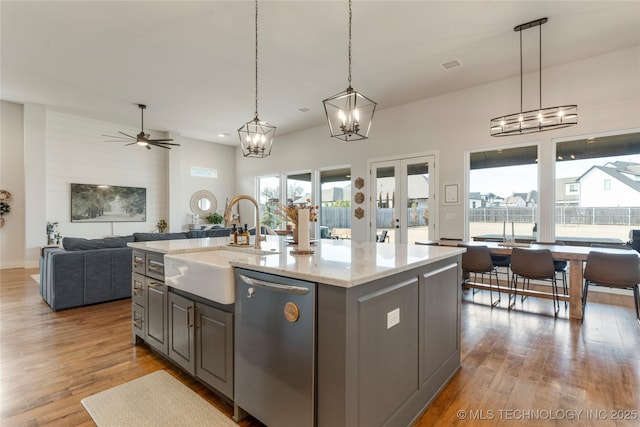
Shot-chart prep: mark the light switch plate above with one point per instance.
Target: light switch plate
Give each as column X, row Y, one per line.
column 393, row 318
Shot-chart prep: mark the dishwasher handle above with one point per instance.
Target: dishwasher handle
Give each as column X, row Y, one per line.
column 276, row 287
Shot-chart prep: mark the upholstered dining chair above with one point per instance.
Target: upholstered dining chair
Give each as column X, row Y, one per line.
column 560, row 267
column 477, row 260
column 536, row 264
column 614, row 270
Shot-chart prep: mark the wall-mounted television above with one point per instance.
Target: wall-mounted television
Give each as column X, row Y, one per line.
column 108, row 203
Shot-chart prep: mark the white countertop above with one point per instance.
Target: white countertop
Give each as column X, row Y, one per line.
column 342, row 263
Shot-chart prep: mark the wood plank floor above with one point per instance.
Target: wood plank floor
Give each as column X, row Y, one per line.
column 519, row 367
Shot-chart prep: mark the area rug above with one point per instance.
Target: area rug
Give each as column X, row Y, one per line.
column 157, row 399
column 36, row 278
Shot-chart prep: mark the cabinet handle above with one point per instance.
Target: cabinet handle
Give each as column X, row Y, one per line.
column 138, row 261
column 154, row 285
column 137, row 288
column 137, row 320
column 189, row 323
column 155, row 265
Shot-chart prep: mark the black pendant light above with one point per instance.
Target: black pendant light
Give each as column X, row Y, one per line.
column 538, row 120
column 349, row 113
column 256, row 136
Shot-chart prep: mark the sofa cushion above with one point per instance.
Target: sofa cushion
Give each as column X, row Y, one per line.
column 214, row 232
column 148, row 237
column 80, row 244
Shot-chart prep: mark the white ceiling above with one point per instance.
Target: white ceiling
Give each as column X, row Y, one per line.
column 192, row 62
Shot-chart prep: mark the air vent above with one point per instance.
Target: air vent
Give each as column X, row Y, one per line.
column 452, row 64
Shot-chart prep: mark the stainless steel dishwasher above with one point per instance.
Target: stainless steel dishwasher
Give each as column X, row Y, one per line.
column 275, row 342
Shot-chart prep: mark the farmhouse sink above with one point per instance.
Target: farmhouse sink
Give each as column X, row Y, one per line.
column 206, row 274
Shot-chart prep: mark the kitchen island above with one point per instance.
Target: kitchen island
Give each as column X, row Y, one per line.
column 383, row 327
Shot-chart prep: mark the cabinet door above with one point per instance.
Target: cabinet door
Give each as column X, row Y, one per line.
column 214, row 348
column 137, row 320
column 138, row 289
column 156, row 311
column 181, row 335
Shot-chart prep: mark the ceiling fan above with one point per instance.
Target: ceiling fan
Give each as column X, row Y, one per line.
column 141, row 138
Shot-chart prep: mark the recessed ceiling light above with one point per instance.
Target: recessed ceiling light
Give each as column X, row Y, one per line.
column 223, row 135
column 304, row 109
column 452, row 64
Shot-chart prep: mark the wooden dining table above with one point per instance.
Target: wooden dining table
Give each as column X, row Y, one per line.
column 574, row 255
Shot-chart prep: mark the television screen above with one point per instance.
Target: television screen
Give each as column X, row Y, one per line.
column 108, row 203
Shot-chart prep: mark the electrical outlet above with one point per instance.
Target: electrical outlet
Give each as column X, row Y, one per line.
column 393, row 318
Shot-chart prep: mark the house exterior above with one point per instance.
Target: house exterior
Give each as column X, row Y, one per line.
column 615, row 184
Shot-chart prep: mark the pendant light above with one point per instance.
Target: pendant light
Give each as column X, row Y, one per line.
column 535, row 120
column 349, row 113
column 256, row 136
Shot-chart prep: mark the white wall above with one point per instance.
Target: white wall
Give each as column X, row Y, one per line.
column 12, row 245
column 206, row 155
column 76, row 152
column 43, row 151
column 605, row 88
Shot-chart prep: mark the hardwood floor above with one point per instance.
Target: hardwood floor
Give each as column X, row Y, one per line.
column 519, row 367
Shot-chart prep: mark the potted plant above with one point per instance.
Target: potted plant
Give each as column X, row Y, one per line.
column 162, row 226
column 214, row 218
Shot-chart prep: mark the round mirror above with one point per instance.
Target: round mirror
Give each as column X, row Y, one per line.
column 203, row 203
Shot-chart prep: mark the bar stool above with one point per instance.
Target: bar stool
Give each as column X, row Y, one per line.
column 614, row 271
column 477, row 260
column 534, row 264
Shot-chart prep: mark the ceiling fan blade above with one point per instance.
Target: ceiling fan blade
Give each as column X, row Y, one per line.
column 160, row 140
column 114, row 136
column 132, row 137
column 131, row 143
column 159, row 145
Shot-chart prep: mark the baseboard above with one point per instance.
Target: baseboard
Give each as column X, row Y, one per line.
column 12, row 264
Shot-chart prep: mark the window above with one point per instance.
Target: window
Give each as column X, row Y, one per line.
column 606, row 172
column 503, row 189
column 268, row 189
column 299, row 187
column 335, row 202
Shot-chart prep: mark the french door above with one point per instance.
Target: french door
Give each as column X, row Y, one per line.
column 403, row 205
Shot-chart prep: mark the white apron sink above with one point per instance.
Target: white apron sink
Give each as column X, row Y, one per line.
column 206, row 274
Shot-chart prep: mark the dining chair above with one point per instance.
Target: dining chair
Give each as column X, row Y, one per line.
column 536, row 264
column 559, row 266
column 477, row 260
column 613, row 270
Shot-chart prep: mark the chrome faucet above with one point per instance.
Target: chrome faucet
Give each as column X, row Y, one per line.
column 227, row 215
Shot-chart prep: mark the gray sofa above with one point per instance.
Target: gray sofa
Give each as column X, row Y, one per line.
column 91, row 271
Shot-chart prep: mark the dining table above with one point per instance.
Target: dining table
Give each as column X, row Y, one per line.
column 574, row 255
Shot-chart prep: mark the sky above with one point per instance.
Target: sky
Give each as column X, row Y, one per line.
column 507, row 180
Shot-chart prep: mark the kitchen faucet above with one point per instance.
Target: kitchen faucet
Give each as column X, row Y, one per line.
column 227, row 215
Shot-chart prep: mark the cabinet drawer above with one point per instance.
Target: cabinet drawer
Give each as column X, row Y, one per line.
column 137, row 289
column 138, row 262
column 155, row 266
column 137, row 320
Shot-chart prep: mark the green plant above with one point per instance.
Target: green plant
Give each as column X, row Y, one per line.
column 214, row 218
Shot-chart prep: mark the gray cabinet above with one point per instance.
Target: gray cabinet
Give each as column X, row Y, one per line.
column 214, row 348
column 201, row 341
column 386, row 348
column 149, row 300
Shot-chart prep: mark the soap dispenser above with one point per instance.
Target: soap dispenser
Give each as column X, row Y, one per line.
column 234, row 235
column 245, row 235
